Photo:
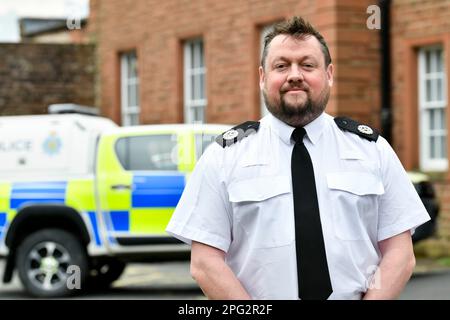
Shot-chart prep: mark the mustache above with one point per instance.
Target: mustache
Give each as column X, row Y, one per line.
column 295, row 87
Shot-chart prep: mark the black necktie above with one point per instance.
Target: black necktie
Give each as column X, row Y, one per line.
column 312, row 268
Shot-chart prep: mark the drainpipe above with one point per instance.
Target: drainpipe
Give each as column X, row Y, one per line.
column 386, row 87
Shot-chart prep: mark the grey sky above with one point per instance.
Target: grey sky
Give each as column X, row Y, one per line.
column 12, row 10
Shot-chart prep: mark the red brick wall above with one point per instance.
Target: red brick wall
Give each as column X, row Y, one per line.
column 34, row 75
column 230, row 30
column 358, row 63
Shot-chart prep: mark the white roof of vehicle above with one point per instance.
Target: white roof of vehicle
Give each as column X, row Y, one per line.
column 53, row 117
column 83, row 122
column 170, row 127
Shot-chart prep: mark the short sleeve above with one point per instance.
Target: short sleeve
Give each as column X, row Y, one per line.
column 401, row 208
column 203, row 212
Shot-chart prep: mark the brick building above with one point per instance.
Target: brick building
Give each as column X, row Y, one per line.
column 187, row 61
column 198, row 60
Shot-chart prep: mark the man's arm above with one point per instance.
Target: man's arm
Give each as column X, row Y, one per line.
column 213, row 275
column 395, row 269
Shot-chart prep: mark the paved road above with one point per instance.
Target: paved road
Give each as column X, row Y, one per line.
column 173, row 281
column 139, row 281
column 434, row 286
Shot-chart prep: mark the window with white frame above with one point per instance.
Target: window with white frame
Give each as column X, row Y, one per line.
column 432, row 110
column 129, row 89
column 194, row 82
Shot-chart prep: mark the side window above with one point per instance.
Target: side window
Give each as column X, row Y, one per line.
column 202, row 141
column 152, row 152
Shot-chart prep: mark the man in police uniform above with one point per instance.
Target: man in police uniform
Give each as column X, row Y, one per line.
column 237, row 209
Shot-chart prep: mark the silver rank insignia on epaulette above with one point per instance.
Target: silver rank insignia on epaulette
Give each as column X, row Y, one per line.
column 365, row 129
column 237, row 133
column 353, row 126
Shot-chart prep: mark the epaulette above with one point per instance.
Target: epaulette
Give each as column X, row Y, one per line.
column 354, row 126
column 237, row 133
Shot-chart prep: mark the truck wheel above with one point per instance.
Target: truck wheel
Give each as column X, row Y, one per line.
column 105, row 273
column 43, row 259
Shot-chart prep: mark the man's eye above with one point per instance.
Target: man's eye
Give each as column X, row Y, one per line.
column 308, row 65
column 280, row 66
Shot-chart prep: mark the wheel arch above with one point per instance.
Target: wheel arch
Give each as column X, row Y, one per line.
column 39, row 216
column 35, row 217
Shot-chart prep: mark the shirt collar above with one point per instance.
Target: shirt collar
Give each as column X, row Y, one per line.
column 313, row 129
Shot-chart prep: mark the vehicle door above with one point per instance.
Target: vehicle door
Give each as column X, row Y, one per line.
column 141, row 183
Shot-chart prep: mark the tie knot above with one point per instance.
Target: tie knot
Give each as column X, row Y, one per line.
column 298, row 134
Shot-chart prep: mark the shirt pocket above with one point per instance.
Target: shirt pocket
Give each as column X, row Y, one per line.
column 354, row 204
column 262, row 207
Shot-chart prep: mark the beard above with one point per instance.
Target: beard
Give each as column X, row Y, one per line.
column 298, row 114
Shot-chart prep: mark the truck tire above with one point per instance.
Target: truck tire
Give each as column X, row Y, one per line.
column 43, row 261
column 105, row 273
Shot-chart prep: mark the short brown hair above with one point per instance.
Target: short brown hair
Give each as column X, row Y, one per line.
column 299, row 28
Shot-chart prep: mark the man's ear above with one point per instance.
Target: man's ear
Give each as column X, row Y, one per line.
column 330, row 71
column 262, row 77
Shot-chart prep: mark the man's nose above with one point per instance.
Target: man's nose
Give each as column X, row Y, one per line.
column 295, row 74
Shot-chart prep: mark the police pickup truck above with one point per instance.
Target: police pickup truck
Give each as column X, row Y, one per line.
column 77, row 190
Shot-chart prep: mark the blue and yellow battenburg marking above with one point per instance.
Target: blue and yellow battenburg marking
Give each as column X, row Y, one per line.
column 37, row 192
column 52, row 192
column 2, row 222
column 153, row 200
column 5, row 191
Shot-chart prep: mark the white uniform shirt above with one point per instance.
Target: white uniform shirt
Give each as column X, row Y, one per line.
column 239, row 199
